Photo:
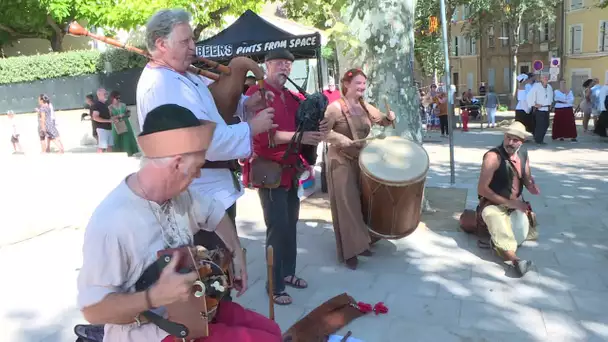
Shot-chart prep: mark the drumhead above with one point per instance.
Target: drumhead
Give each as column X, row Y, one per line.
column 394, row 160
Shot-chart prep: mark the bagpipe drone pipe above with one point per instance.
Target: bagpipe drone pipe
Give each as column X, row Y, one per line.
column 308, row 117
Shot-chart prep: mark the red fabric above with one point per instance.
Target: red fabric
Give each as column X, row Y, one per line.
column 563, row 124
column 235, row 323
column 332, row 95
column 465, row 120
column 285, row 117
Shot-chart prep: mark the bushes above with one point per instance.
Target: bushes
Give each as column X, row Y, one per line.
column 62, row 64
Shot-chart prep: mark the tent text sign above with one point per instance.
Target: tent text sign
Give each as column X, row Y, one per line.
column 230, row 50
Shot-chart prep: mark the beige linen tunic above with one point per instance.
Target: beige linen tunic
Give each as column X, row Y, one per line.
column 121, row 241
column 343, row 174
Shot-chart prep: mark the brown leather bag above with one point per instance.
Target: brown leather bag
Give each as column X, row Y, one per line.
column 265, row 174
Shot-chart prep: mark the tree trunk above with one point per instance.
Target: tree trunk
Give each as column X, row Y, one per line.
column 57, row 41
column 385, row 29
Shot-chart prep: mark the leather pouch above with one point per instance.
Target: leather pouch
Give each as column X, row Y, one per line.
column 265, row 173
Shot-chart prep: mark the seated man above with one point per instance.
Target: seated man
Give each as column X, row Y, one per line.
column 504, row 172
column 152, row 210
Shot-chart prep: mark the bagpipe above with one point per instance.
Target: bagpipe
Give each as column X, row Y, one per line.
column 311, row 112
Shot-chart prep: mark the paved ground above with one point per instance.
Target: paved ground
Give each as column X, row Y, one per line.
column 438, row 285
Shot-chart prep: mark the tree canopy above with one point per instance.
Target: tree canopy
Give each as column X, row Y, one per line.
column 47, row 19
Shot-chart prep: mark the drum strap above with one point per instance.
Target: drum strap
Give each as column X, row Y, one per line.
column 346, row 113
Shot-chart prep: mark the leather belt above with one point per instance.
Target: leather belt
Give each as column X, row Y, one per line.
column 222, row 164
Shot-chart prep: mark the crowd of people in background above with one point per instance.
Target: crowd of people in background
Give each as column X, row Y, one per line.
column 110, row 123
column 47, row 127
column 536, row 99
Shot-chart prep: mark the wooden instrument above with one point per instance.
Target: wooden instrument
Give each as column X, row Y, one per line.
column 270, row 263
column 215, row 280
column 325, row 320
column 228, row 86
column 393, row 173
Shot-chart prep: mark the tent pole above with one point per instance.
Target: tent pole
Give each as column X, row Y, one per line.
column 319, row 71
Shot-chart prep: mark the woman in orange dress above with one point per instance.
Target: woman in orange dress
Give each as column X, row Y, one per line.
column 350, row 118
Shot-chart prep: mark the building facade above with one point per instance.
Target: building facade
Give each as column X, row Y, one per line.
column 464, row 54
column 586, row 43
column 489, row 59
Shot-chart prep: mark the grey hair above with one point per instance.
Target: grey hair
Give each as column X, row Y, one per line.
column 156, row 161
column 162, row 23
column 162, row 161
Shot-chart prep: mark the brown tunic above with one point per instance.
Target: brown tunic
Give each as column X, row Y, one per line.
column 352, row 236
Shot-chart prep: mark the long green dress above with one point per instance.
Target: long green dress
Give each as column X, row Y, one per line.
column 123, row 142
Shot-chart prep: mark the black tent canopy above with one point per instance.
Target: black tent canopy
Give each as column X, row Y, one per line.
column 253, row 36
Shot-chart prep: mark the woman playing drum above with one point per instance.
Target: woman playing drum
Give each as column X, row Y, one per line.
column 350, row 118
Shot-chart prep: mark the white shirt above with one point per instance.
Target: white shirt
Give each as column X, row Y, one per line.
column 522, row 101
column 121, row 240
column 559, row 96
column 159, row 86
column 540, row 95
column 603, row 94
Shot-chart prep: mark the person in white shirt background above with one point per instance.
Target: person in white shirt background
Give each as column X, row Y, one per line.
column 601, row 126
column 166, row 80
column 595, row 100
column 522, row 109
column 564, row 126
column 540, row 98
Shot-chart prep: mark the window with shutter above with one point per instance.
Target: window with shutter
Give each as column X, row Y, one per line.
column 455, row 46
column 523, row 33
column 466, row 47
column 576, row 4
column 603, row 37
column 491, row 36
column 491, row 76
column 576, row 39
column 545, row 33
column 473, row 46
column 552, row 32
column 505, row 35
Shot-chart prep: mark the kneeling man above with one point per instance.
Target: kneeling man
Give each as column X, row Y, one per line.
column 152, row 210
column 504, row 172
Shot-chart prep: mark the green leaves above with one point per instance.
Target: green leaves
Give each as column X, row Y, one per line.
column 42, row 18
column 72, row 63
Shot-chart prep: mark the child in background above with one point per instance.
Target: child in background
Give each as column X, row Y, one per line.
column 15, row 133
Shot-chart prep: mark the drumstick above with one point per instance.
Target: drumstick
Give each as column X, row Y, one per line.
column 269, row 263
column 388, row 110
column 379, row 136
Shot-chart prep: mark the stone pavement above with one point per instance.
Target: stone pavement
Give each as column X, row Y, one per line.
column 437, row 285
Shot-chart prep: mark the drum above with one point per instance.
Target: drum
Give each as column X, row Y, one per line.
column 393, row 173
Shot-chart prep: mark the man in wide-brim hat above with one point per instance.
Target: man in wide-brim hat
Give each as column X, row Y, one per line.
column 153, row 210
column 504, row 172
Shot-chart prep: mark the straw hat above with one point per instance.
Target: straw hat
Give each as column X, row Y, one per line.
column 517, row 129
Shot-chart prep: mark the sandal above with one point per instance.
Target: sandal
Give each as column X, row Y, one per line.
column 296, row 282
column 282, row 298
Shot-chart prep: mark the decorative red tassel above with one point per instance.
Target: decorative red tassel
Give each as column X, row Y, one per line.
column 380, row 308
column 364, row 307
